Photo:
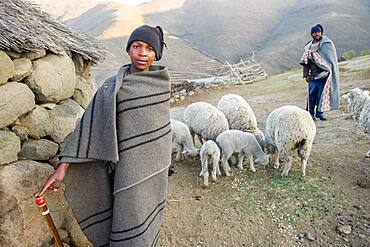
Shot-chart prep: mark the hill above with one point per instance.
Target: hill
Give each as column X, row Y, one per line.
column 221, row 30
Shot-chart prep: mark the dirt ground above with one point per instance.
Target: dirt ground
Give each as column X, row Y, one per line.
column 263, row 209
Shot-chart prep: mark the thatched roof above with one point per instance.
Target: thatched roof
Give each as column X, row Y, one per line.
column 24, row 28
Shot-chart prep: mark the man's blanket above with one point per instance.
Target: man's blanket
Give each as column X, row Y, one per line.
column 120, row 153
column 324, row 56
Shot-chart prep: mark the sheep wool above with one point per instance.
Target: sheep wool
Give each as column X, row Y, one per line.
column 240, row 115
column 182, row 140
column 290, row 128
column 205, row 120
column 209, row 152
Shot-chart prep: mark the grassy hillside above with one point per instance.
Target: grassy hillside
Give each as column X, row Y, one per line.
column 275, row 30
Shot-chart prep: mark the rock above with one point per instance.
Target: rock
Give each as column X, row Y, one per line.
column 77, row 238
column 362, row 236
column 64, row 119
column 191, row 93
column 15, row 100
column 16, row 122
column 54, row 161
column 38, row 149
column 23, row 67
column 37, row 122
column 49, row 106
column 53, row 79
column 21, row 221
column 10, row 146
column 6, row 68
column 63, row 235
column 310, row 237
column 13, row 55
column 183, row 92
column 182, row 98
column 21, row 132
column 83, row 92
column 344, row 229
column 364, row 182
column 82, row 66
column 33, row 55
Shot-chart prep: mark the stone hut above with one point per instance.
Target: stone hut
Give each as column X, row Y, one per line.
column 45, row 84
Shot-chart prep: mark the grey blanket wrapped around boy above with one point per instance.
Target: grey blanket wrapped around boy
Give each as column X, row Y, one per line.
column 119, row 156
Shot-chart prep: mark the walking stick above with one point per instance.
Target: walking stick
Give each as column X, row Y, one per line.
column 308, row 98
column 41, row 202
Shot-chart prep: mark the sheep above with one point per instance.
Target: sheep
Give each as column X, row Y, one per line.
column 242, row 143
column 359, row 104
column 205, row 120
column 182, row 140
column 209, row 152
column 356, row 99
column 240, row 116
column 290, row 128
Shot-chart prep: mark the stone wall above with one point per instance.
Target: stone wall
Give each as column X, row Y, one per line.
column 180, row 90
column 42, row 97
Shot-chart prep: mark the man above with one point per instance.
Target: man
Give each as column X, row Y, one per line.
column 320, row 69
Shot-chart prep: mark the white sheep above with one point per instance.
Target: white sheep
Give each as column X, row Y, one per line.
column 182, row 140
column 243, row 144
column 290, row 128
column 209, row 152
column 359, row 104
column 356, row 99
column 205, row 120
column 240, row 115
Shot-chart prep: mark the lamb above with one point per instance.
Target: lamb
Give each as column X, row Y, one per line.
column 240, row 116
column 359, row 104
column 242, row 143
column 182, row 140
column 205, row 120
column 209, row 152
column 290, row 128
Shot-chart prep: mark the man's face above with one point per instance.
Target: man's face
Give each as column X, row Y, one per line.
column 142, row 56
column 316, row 36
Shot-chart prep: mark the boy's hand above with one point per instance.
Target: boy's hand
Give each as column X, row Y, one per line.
column 55, row 180
column 308, row 79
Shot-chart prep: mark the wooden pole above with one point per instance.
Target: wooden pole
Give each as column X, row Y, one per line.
column 41, row 202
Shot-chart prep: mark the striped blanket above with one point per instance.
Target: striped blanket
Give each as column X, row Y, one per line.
column 120, row 153
column 324, row 55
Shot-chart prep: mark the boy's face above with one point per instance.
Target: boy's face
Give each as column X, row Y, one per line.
column 142, row 56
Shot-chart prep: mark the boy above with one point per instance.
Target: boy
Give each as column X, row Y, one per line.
column 118, row 156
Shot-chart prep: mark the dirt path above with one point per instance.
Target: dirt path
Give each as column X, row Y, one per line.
column 262, row 209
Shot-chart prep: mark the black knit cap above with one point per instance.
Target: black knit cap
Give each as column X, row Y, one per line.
column 317, row 28
column 153, row 36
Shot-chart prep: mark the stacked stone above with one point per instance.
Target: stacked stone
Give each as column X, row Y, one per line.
column 42, row 97
column 187, row 88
